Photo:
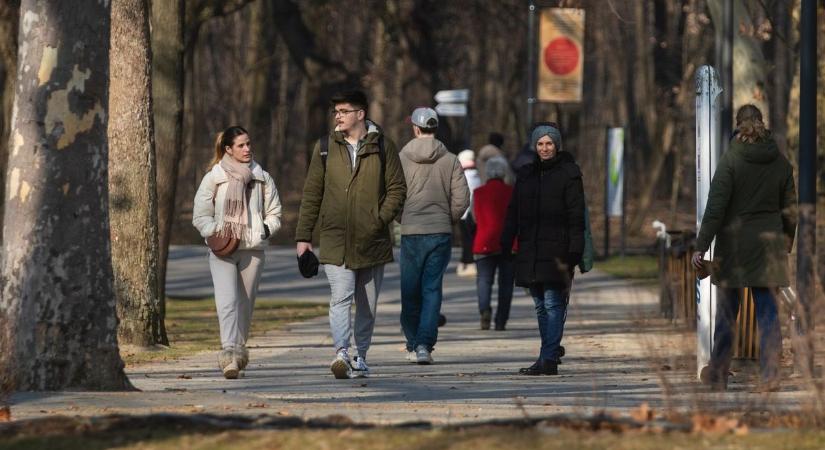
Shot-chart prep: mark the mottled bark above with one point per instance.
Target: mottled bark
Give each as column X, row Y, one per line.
column 132, row 194
column 9, row 16
column 749, row 66
column 57, row 310
column 167, row 96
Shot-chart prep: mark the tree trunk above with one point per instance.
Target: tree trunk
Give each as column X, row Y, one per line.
column 57, row 310
column 749, row 66
column 132, row 192
column 9, row 15
column 167, row 97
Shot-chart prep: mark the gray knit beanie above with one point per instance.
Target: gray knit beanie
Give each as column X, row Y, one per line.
column 496, row 167
column 546, row 130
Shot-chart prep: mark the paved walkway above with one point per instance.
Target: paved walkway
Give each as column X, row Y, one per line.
column 619, row 355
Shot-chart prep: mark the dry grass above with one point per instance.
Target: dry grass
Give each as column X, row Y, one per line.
column 637, row 267
column 477, row 438
column 192, row 326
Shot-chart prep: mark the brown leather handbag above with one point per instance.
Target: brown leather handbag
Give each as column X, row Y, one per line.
column 222, row 246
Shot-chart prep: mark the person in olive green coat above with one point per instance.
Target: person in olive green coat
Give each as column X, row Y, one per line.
column 751, row 211
column 352, row 197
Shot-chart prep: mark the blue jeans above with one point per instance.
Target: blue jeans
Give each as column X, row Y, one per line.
column 551, row 312
column 424, row 258
column 486, row 268
column 770, row 337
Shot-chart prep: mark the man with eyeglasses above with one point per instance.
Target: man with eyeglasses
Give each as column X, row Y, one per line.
column 353, row 190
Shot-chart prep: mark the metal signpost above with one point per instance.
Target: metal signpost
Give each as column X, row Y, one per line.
column 453, row 103
column 708, row 144
column 806, row 236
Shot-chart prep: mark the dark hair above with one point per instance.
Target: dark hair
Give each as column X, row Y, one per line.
column 496, row 139
column 225, row 139
column 428, row 130
column 354, row 97
column 750, row 125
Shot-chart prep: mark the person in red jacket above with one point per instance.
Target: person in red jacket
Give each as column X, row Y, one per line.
column 489, row 211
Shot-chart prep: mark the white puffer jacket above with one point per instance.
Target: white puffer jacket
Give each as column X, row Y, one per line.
column 264, row 206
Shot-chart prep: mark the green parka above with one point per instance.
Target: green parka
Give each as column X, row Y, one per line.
column 751, row 211
column 352, row 207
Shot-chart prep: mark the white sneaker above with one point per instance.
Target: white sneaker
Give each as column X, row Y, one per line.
column 411, row 357
column 360, row 368
column 341, row 366
column 466, row 270
column 422, row 355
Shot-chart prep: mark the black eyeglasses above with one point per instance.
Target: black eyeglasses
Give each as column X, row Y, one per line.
column 336, row 112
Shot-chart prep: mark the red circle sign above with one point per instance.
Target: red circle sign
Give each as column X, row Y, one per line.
column 561, row 56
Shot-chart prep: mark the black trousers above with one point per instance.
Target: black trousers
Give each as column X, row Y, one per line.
column 468, row 233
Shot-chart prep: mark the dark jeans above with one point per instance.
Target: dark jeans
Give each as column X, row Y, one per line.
column 770, row 337
column 468, row 233
column 551, row 312
column 486, row 268
column 424, row 258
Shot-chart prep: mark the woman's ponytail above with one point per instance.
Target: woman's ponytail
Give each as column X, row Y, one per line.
column 750, row 125
column 225, row 139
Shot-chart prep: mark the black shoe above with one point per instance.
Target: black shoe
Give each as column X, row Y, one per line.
column 540, row 367
column 500, row 327
column 561, row 351
column 486, row 316
column 714, row 381
column 535, row 366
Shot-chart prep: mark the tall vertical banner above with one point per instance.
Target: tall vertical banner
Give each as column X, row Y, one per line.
column 708, row 145
column 615, row 172
column 561, row 55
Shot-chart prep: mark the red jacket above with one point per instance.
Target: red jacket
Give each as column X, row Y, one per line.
column 490, row 210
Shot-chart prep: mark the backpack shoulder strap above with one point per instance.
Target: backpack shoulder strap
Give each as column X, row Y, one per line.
column 324, row 141
column 382, row 154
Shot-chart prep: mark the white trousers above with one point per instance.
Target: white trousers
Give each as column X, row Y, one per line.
column 236, row 279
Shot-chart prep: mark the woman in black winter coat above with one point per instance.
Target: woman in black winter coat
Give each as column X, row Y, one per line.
column 546, row 218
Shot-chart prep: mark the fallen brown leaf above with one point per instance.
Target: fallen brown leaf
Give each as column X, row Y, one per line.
column 643, row 413
column 703, row 423
column 5, row 414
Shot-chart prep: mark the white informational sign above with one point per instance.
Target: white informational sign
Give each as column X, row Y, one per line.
column 452, row 96
column 708, row 144
column 451, row 109
column 615, row 172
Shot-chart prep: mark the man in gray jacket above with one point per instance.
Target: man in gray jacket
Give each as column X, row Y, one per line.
column 437, row 196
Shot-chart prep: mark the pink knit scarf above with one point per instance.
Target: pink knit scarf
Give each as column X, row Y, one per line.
column 235, row 223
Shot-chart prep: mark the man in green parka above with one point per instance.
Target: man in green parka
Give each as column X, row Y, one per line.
column 751, row 211
column 354, row 189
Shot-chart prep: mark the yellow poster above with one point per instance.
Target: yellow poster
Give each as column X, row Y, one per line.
column 561, row 55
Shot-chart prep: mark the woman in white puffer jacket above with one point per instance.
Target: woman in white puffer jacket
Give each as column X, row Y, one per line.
column 238, row 199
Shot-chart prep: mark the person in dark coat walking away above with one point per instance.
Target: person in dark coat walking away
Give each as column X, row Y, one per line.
column 489, row 209
column 546, row 217
column 751, row 211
